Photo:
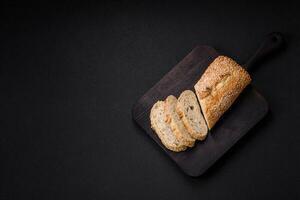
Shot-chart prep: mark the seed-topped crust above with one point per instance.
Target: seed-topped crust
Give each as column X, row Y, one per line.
column 219, row 86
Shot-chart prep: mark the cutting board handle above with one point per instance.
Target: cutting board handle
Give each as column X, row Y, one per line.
column 272, row 43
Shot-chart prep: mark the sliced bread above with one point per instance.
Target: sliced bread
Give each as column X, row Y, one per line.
column 163, row 130
column 189, row 111
column 175, row 122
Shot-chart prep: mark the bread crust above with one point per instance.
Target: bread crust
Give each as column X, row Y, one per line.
column 219, row 86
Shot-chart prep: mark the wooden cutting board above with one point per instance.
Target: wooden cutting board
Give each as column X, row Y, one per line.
column 247, row 110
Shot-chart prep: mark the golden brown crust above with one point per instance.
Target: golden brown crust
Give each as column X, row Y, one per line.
column 219, row 86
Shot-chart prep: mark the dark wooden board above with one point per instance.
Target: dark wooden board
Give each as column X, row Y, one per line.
column 248, row 110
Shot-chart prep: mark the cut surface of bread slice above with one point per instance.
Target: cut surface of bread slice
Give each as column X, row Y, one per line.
column 189, row 111
column 176, row 123
column 163, row 129
column 219, row 86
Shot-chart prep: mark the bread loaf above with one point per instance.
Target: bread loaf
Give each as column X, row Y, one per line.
column 219, row 86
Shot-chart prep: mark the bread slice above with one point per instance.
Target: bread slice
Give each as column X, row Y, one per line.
column 189, row 111
column 175, row 122
column 163, row 130
column 219, row 86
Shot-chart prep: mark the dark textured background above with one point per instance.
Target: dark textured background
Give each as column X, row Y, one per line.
column 69, row 74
